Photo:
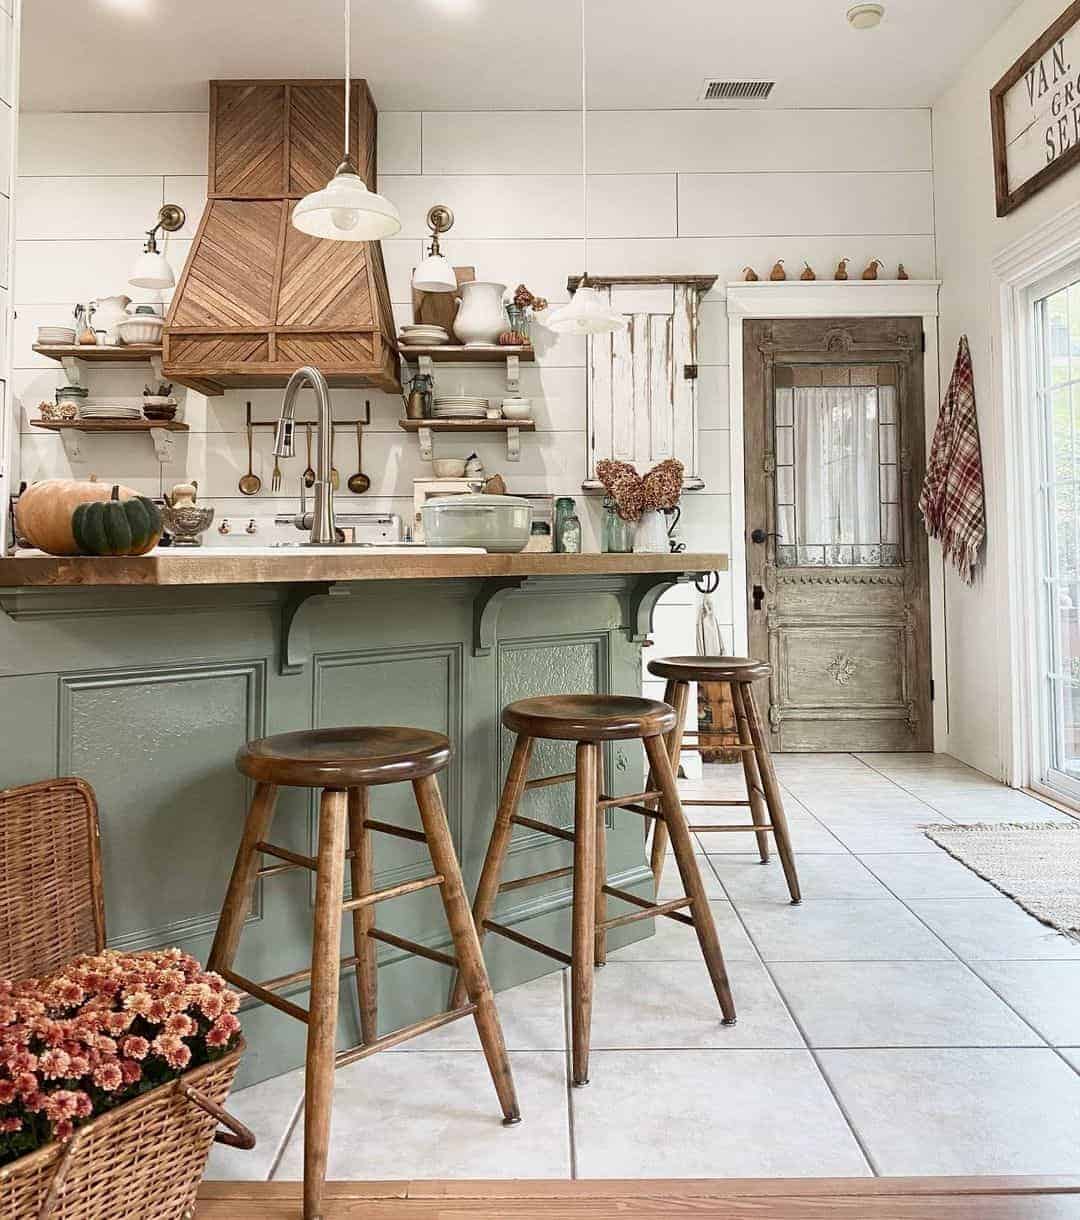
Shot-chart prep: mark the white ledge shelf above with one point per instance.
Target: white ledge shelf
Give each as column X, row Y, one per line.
column 426, row 428
column 74, row 355
column 160, row 432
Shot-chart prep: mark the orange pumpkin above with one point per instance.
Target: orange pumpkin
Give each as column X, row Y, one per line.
column 44, row 510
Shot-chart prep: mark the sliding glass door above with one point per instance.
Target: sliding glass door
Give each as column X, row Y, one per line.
column 1056, row 363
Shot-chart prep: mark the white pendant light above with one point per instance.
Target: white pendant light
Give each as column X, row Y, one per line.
column 587, row 313
column 435, row 274
column 345, row 210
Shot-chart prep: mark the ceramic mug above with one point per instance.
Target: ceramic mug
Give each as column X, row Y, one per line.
column 650, row 535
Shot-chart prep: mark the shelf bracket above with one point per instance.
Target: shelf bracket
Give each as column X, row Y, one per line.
column 513, row 444
column 486, row 609
column 644, row 595
column 72, row 442
column 426, row 440
column 163, row 441
column 295, row 644
column 158, row 368
column 425, row 365
column 73, row 370
column 513, row 378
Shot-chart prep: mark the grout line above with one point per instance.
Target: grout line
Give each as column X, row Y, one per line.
column 870, row 1162
column 290, row 1129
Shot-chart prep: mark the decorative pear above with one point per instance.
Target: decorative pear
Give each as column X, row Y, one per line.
column 778, row 272
column 871, row 269
column 841, row 269
column 901, row 273
column 808, row 273
column 751, row 276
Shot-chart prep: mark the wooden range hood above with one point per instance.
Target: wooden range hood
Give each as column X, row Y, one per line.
column 258, row 298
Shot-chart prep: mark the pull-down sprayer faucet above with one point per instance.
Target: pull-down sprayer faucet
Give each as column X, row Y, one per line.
column 323, row 532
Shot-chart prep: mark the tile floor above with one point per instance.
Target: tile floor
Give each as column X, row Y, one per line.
column 906, row 1019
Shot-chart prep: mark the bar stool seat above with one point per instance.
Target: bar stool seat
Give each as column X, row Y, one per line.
column 762, row 789
column 588, row 717
column 344, row 758
column 346, row 763
column 590, row 720
column 710, row 669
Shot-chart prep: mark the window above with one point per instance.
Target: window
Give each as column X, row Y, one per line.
column 1057, row 397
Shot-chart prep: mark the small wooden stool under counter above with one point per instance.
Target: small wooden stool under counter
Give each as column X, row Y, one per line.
column 591, row 720
column 762, row 789
column 344, row 763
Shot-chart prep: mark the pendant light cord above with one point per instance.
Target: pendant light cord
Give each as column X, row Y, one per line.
column 348, row 70
column 584, row 157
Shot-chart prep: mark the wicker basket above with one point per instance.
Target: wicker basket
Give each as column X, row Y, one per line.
column 142, row 1161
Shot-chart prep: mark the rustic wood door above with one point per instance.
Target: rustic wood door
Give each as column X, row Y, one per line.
column 836, row 558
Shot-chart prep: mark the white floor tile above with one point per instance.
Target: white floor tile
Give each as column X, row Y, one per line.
column 993, row 929
column 877, row 930
column 940, row 1112
column 1045, row 993
column 435, row 1115
column 672, row 1005
column 671, row 885
column 675, row 942
column 1072, row 1054
column 710, row 1114
column 922, row 875
column 268, row 1108
column 531, row 1015
column 878, row 1004
column 820, row 876
column 808, row 836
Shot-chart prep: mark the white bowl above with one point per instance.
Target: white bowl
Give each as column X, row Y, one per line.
column 448, row 468
column 517, row 408
column 143, row 329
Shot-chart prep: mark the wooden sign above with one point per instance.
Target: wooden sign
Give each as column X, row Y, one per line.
column 1035, row 114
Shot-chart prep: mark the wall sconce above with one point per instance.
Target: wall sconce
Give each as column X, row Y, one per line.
column 435, row 274
column 152, row 269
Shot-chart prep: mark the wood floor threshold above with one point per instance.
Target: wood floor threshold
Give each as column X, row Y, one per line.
column 983, row 1198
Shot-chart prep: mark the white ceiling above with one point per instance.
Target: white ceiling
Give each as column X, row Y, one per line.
column 497, row 54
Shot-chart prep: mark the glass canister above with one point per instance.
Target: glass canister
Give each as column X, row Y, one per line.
column 564, row 507
column 518, row 322
column 570, row 535
column 617, row 535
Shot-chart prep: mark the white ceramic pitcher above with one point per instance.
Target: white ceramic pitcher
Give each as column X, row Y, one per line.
column 481, row 317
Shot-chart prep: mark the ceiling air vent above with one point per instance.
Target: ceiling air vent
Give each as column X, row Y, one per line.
column 715, row 90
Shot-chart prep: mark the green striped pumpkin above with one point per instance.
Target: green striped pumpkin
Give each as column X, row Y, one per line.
column 116, row 527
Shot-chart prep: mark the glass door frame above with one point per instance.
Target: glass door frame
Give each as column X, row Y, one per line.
column 1045, row 719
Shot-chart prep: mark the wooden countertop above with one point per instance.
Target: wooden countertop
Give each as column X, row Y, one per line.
column 169, row 567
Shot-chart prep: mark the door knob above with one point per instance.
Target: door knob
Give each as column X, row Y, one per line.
column 759, row 536
column 759, row 596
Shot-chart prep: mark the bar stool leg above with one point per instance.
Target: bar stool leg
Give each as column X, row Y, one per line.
column 600, row 870
column 772, row 794
column 755, row 793
column 244, row 875
column 677, row 694
column 472, row 972
column 583, row 937
column 322, row 1014
column 488, row 889
column 362, row 872
column 682, row 844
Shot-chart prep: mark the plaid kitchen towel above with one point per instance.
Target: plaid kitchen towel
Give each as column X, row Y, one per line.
column 952, row 502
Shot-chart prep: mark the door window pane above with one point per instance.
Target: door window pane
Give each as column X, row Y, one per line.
column 1057, row 327
column 837, row 473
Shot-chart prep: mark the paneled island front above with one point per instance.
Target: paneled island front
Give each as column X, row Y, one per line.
column 145, row 675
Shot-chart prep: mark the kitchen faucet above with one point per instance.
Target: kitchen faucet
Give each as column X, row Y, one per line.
column 323, row 532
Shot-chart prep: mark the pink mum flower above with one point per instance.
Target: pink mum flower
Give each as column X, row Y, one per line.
column 7, row 1092
column 175, row 1052
column 228, row 1022
column 108, row 1076
column 181, row 1025
column 26, row 1083
column 9, row 1126
column 131, row 1071
column 135, row 1047
column 139, row 1002
column 64, row 1130
column 217, row 1038
column 118, row 1022
column 55, row 1064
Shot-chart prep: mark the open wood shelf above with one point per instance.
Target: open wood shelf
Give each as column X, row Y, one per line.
column 109, row 425
column 451, row 353
column 128, row 353
column 467, row 425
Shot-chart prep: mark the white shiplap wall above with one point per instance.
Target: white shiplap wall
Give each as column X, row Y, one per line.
column 669, row 191
column 10, row 17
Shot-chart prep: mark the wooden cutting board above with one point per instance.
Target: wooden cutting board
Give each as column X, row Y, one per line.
column 440, row 308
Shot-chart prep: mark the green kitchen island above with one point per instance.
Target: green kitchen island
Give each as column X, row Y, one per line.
column 144, row 676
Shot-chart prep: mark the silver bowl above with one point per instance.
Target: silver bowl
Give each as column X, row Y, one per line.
column 187, row 522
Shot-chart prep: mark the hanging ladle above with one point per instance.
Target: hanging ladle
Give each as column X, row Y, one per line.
column 359, row 482
column 250, row 482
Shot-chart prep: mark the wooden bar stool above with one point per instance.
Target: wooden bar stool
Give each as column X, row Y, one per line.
column 345, row 763
column 590, row 720
column 762, row 789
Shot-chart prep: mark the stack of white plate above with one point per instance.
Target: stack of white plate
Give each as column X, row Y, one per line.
column 108, row 410
column 416, row 334
column 459, row 406
column 55, row 334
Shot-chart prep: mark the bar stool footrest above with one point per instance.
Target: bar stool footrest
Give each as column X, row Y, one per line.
column 548, row 781
column 412, row 946
column 621, row 802
column 648, row 909
column 544, row 827
column 753, row 828
column 535, row 878
column 261, row 992
column 520, row 938
column 393, row 891
column 402, row 1035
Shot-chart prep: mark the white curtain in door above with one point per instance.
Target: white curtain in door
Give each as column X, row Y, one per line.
column 836, row 465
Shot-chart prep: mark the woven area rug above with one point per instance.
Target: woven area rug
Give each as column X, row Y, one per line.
column 1037, row 864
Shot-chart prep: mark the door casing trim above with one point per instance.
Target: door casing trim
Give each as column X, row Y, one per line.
column 836, row 299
